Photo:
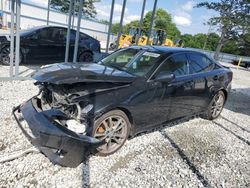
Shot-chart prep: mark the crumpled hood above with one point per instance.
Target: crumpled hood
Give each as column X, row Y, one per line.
column 68, row 73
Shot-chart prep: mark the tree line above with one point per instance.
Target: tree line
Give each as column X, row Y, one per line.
column 232, row 23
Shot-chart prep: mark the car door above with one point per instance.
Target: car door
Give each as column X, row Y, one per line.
column 49, row 45
column 63, row 41
column 200, row 68
column 43, row 45
column 177, row 97
column 32, row 46
column 146, row 102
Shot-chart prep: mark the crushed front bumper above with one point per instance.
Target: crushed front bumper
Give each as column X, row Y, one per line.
column 55, row 141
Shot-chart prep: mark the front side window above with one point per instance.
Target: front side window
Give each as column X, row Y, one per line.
column 135, row 61
column 199, row 63
column 45, row 34
column 176, row 64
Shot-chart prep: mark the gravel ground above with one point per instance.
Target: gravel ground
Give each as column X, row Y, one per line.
column 196, row 153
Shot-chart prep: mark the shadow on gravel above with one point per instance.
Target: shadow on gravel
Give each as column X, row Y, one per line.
column 238, row 101
column 85, row 174
column 226, row 129
column 242, row 128
column 192, row 167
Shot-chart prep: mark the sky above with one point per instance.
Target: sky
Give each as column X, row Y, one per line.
column 187, row 18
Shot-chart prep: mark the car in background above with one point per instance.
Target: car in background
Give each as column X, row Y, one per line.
column 84, row 107
column 46, row 44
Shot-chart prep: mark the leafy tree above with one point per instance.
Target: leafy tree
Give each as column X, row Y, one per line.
column 233, row 19
column 104, row 21
column 212, row 41
column 115, row 28
column 163, row 20
column 231, row 47
column 63, row 6
column 245, row 44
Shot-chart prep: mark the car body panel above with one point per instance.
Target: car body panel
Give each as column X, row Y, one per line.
column 67, row 73
column 62, row 146
column 36, row 49
column 148, row 103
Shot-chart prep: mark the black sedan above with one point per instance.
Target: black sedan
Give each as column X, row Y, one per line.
column 46, row 44
column 97, row 106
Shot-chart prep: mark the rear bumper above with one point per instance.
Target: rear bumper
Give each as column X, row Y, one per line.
column 55, row 141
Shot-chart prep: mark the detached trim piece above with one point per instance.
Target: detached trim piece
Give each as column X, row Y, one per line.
column 56, row 142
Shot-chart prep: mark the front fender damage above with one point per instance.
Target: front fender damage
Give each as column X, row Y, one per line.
column 61, row 145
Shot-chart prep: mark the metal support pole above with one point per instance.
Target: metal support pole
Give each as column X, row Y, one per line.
column 17, row 47
column 78, row 30
column 141, row 20
column 121, row 21
column 74, row 10
column 12, row 37
column 110, row 24
column 152, row 21
column 48, row 11
column 68, row 32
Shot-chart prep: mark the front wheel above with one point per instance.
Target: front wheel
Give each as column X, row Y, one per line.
column 113, row 127
column 215, row 107
column 86, row 57
column 5, row 56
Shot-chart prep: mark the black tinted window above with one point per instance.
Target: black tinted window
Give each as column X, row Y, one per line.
column 199, row 63
column 49, row 34
column 45, row 34
column 64, row 34
column 176, row 64
column 84, row 36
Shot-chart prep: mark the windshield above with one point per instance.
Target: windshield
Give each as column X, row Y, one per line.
column 25, row 32
column 135, row 61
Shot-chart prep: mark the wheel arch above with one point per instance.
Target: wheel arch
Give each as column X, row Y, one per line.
column 22, row 51
column 130, row 118
column 83, row 51
column 225, row 93
column 124, row 110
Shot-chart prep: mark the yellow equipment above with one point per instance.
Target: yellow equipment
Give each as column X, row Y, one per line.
column 131, row 38
column 160, row 38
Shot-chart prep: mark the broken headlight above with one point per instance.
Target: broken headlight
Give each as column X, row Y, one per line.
column 76, row 126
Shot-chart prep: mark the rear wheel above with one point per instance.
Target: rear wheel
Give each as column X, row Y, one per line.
column 216, row 106
column 5, row 56
column 86, row 57
column 113, row 127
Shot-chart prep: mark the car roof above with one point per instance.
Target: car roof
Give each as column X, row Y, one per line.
column 50, row 26
column 166, row 49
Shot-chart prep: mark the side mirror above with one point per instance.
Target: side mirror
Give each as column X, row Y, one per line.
column 165, row 77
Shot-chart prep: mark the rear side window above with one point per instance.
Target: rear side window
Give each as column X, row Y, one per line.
column 45, row 34
column 199, row 63
column 176, row 64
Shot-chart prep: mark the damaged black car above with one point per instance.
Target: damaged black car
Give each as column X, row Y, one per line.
column 87, row 108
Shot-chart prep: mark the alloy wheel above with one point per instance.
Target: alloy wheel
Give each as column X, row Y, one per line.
column 86, row 57
column 217, row 105
column 5, row 56
column 113, row 131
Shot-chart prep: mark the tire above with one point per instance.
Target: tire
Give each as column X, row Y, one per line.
column 112, row 46
column 5, row 56
column 115, row 135
column 215, row 107
column 86, row 57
